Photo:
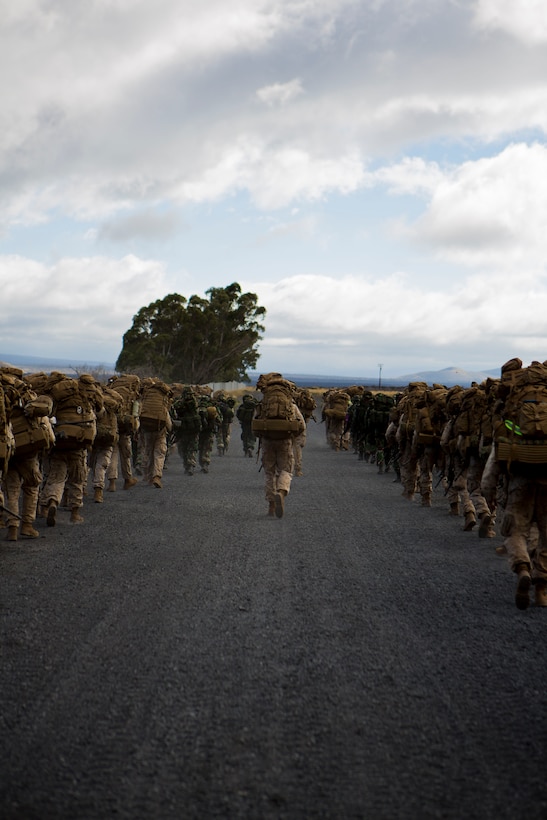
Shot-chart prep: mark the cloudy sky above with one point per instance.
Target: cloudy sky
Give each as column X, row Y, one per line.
column 375, row 170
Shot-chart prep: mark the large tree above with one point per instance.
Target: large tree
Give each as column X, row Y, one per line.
column 195, row 341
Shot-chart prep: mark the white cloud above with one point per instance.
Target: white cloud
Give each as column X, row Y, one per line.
column 411, row 176
column 280, row 93
column 275, row 179
column 492, row 211
column 416, row 121
column 524, row 19
column 349, row 321
column 75, row 305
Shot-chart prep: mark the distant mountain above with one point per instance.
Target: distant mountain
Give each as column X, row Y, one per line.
column 32, row 364
column 450, row 376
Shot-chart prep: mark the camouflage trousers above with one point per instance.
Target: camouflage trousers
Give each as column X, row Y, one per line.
column 248, row 438
column 187, row 447
column 205, row 447
column 457, row 492
column 24, row 477
column 409, row 466
column 335, row 434
column 67, row 471
column 474, row 476
column 526, row 505
column 154, row 451
column 278, row 465
column 121, row 458
column 299, row 442
column 223, row 436
column 99, row 462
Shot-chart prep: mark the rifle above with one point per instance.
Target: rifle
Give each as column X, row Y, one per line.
column 5, row 509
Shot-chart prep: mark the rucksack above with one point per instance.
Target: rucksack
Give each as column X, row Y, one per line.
column 75, row 421
column 337, row 405
column 275, row 416
column 155, row 404
column 6, row 435
column 378, row 413
column 305, row 402
column 185, row 411
column 246, row 410
column 128, row 386
column 107, row 424
column 431, row 416
column 520, row 433
column 210, row 414
column 411, row 403
column 31, row 426
column 226, row 411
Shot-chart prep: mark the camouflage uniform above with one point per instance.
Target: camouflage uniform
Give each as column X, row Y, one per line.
column 186, row 428
column 278, row 457
column 226, row 407
column 244, row 415
column 154, row 441
column 23, row 475
column 211, row 419
column 100, row 456
column 67, row 471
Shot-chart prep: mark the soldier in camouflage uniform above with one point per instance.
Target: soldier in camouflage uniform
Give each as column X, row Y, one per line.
column 186, row 428
column 68, row 459
column 211, row 419
column 22, row 478
column 244, row 415
column 225, row 405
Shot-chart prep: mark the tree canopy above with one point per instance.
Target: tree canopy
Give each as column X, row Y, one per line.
column 195, row 340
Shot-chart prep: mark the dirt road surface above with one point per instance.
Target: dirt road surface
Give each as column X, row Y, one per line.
column 182, row 655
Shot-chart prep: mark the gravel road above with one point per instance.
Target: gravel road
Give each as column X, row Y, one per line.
column 182, row 655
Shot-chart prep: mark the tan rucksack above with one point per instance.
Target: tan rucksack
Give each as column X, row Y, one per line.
column 32, row 428
column 155, row 404
column 128, row 386
column 75, row 421
column 337, row 405
column 6, row 434
column 275, row 417
column 520, row 432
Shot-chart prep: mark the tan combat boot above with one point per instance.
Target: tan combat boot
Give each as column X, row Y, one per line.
column 75, row 517
column 51, row 513
column 111, row 486
column 12, row 533
column 280, row 503
column 484, row 524
column 129, row 482
column 426, row 500
column 271, row 508
column 469, row 522
column 28, row 531
column 524, row 582
column 156, row 481
column 454, row 508
column 540, row 593
column 98, row 497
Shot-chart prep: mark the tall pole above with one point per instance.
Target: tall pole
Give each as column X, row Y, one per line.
column 380, row 376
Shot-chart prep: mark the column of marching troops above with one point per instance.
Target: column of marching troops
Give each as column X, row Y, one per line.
column 57, row 433
column 484, row 447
